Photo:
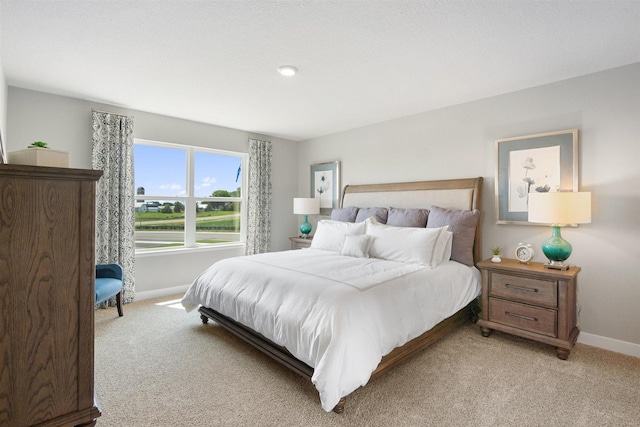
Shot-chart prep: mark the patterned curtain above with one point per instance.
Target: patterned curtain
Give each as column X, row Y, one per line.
column 259, row 203
column 115, row 209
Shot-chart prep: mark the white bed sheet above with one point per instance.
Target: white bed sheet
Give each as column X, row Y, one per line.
column 338, row 314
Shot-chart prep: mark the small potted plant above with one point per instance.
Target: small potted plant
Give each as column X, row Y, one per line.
column 38, row 144
column 496, row 254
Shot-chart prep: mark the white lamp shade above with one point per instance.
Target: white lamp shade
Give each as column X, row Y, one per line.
column 560, row 208
column 306, row 206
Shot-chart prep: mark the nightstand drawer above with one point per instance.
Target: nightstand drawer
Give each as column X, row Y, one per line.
column 521, row 316
column 522, row 289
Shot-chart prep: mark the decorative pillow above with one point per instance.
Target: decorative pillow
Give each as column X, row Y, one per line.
column 462, row 223
column 357, row 246
column 330, row 234
column 408, row 217
column 410, row 245
column 380, row 214
column 347, row 214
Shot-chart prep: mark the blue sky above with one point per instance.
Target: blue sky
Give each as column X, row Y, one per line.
column 162, row 171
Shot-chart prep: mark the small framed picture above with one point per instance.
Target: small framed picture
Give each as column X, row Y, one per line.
column 325, row 185
column 545, row 162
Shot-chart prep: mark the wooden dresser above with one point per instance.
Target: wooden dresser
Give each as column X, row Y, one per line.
column 530, row 301
column 47, row 278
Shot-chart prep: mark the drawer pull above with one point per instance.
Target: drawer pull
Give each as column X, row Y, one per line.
column 520, row 316
column 520, row 288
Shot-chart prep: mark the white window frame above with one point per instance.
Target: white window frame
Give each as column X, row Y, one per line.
column 189, row 201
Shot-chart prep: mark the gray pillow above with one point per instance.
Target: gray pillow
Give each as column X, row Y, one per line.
column 462, row 224
column 347, row 214
column 380, row 214
column 408, row 217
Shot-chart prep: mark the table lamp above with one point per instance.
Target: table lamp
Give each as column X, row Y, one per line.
column 558, row 209
column 306, row 206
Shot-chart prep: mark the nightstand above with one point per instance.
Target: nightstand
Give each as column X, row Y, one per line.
column 530, row 301
column 300, row 242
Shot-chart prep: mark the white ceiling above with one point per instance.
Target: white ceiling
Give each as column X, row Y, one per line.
column 360, row 62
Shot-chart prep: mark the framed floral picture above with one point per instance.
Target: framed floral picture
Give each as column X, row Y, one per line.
column 325, row 185
column 545, row 162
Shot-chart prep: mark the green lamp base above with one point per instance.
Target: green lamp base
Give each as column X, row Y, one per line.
column 305, row 227
column 557, row 250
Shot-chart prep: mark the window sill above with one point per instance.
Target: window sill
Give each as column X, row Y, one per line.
column 182, row 250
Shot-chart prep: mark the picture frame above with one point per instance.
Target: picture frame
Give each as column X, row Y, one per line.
column 325, row 185
column 544, row 162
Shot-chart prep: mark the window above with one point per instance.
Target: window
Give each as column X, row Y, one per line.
column 187, row 196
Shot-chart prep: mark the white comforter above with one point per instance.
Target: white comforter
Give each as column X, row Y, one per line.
column 337, row 314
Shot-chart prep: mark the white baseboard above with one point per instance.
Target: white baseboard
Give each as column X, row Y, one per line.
column 610, row 344
column 157, row 293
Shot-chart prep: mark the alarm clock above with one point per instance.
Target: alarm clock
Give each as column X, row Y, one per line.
column 524, row 252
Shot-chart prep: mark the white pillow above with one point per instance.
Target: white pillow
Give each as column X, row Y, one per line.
column 330, row 234
column 411, row 245
column 357, row 246
column 446, row 254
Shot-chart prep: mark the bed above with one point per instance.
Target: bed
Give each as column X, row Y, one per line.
column 333, row 314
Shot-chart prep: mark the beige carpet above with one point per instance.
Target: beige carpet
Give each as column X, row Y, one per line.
column 160, row 366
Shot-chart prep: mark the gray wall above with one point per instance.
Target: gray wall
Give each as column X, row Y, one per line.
column 459, row 142
column 65, row 124
column 453, row 142
column 3, row 105
column 3, row 93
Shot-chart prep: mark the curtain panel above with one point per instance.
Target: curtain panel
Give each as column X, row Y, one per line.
column 115, row 210
column 259, row 197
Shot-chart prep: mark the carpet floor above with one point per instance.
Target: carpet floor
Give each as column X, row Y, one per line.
column 160, row 366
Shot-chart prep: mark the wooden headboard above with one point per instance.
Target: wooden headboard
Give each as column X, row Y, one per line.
column 451, row 194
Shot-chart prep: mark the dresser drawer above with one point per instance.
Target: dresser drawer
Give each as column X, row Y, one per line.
column 522, row 289
column 522, row 316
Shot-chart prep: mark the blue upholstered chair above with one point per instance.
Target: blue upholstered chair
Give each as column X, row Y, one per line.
column 109, row 281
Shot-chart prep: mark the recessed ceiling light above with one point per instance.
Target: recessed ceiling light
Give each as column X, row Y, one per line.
column 287, row 70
